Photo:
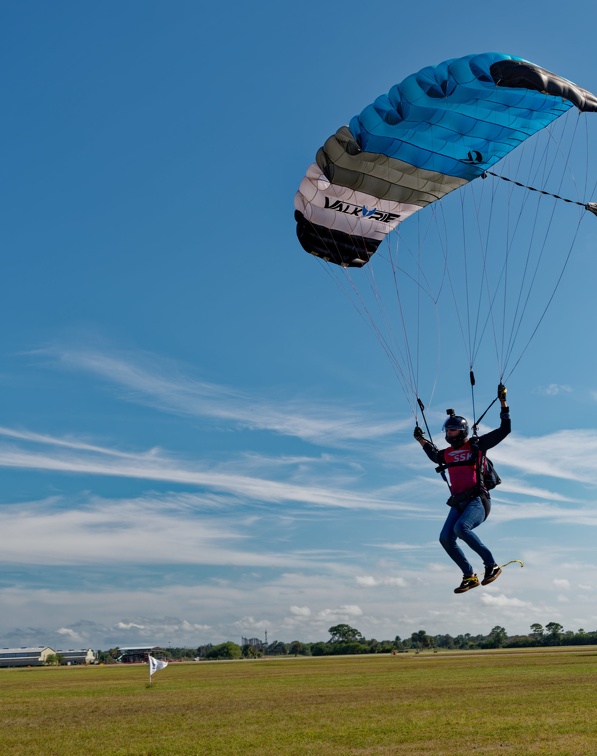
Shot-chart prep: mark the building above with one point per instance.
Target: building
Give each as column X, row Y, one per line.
column 136, row 654
column 26, row 656
column 77, row 656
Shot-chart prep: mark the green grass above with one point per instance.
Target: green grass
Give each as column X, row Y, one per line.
column 490, row 702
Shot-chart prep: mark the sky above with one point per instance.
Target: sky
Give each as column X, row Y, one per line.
column 201, row 438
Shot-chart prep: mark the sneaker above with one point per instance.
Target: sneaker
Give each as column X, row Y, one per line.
column 472, row 581
column 491, row 573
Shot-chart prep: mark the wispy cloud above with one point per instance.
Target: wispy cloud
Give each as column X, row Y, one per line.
column 544, row 511
column 369, row 581
column 567, row 454
column 165, row 386
column 167, row 529
column 155, row 465
column 70, row 634
column 553, row 389
column 561, row 583
column 501, row 600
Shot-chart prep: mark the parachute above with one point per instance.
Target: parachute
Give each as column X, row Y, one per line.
column 429, row 137
column 431, row 134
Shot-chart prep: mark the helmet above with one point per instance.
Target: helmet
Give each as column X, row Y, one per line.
column 455, row 422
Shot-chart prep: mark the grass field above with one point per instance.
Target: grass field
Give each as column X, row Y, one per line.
column 541, row 701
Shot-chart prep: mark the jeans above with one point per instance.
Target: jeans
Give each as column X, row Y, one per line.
column 461, row 525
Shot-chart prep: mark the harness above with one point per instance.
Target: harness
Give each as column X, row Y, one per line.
column 485, row 475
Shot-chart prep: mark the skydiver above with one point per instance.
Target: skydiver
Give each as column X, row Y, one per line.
column 470, row 501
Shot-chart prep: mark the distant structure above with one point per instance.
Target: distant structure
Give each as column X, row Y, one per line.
column 77, row 656
column 26, row 656
column 257, row 644
column 138, row 654
column 37, row 656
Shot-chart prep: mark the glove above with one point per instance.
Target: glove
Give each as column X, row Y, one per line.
column 502, row 391
column 419, row 433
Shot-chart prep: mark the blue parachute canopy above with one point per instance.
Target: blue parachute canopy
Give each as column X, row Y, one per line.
column 435, row 131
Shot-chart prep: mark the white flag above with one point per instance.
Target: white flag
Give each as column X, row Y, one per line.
column 155, row 664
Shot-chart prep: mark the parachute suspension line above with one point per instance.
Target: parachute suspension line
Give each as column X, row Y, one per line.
column 512, row 229
column 474, row 317
column 521, row 306
column 493, row 290
column 423, row 286
column 418, row 331
column 477, row 422
column 406, row 353
column 444, row 248
column 403, row 380
column 484, row 244
column 510, row 333
column 486, row 283
column 465, row 260
column 547, row 306
column 350, row 291
column 420, row 273
column 518, row 315
column 521, row 311
column 399, row 356
column 513, row 226
column 591, row 207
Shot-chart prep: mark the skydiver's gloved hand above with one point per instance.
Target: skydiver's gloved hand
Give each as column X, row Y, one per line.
column 501, row 392
column 505, row 411
column 419, row 434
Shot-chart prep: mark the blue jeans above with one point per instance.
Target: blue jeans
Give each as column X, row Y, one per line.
column 461, row 525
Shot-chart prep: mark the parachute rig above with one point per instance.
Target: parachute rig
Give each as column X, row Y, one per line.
column 431, row 135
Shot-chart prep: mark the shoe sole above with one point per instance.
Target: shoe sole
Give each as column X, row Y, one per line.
column 491, row 579
column 464, row 590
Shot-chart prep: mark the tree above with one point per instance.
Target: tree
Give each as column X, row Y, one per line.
column 344, row 634
column 444, row 641
column 374, row 646
column 297, row 648
column 352, row 647
column 554, row 630
column 250, row 652
column 277, row 648
column 54, row 660
column 109, row 657
column 420, row 639
column 537, row 631
column 226, row 650
column 497, row 637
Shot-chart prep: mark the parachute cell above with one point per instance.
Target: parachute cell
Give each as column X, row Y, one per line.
column 435, row 131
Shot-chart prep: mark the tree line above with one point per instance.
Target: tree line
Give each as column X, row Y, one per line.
column 345, row 639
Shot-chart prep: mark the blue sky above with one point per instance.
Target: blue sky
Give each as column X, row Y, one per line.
column 200, row 437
